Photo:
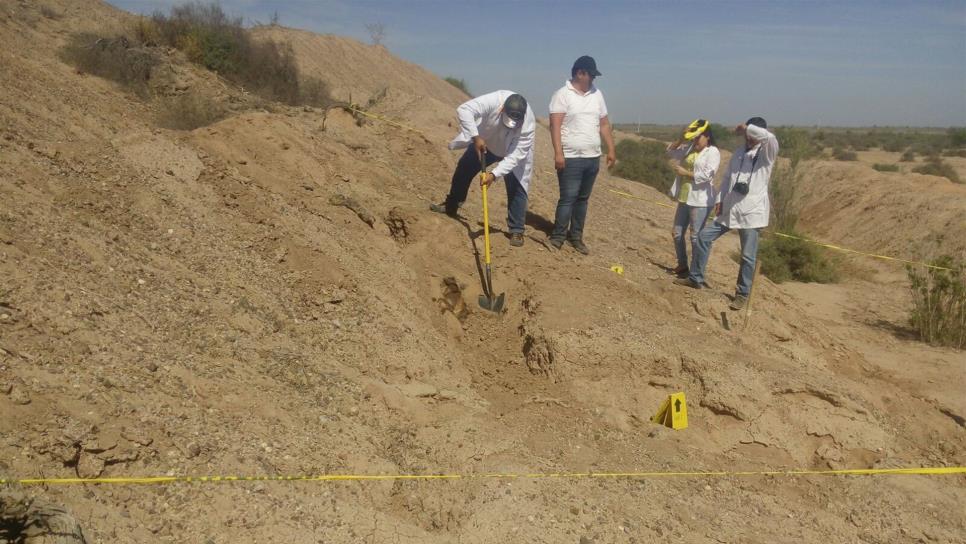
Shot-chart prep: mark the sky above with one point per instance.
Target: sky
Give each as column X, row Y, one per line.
column 855, row 63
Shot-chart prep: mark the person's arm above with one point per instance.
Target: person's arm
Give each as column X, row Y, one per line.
column 705, row 167
column 470, row 114
column 520, row 148
column 768, row 141
column 556, row 122
column 608, row 135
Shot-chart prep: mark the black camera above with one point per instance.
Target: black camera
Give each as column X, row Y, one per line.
column 741, row 188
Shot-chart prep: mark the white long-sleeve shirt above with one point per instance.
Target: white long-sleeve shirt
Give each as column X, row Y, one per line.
column 702, row 186
column 481, row 117
column 749, row 211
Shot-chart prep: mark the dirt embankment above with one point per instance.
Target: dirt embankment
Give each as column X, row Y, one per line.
column 265, row 296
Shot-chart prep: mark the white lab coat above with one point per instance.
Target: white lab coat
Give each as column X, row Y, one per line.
column 702, row 185
column 481, row 117
column 749, row 211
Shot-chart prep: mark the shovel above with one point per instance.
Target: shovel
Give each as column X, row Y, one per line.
column 488, row 300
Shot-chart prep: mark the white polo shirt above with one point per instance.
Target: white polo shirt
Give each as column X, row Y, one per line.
column 580, row 131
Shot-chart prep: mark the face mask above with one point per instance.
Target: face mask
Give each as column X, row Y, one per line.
column 507, row 122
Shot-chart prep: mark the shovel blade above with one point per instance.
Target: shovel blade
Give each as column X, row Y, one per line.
column 493, row 304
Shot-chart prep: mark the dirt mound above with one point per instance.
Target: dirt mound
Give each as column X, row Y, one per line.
column 908, row 215
column 271, row 296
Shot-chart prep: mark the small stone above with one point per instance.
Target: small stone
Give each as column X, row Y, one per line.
column 586, row 540
column 574, row 510
column 90, row 466
column 169, row 172
column 6, row 388
column 141, row 282
column 137, row 436
column 19, row 396
column 192, row 450
column 151, row 366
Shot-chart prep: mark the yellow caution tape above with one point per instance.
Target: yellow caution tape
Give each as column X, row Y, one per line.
column 847, row 250
column 385, row 120
column 830, row 246
column 923, row 471
column 628, row 195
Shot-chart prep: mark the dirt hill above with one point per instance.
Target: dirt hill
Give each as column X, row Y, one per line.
column 269, row 295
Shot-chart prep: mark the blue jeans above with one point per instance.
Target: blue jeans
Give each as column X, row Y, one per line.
column 576, row 181
column 749, row 252
column 687, row 216
column 467, row 168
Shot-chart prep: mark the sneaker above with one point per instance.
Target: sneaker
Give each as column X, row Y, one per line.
column 688, row 282
column 739, row 302
column 555, row 243
column 441, row 208
column 516, row 239
column 580, row 247
column 681, row 271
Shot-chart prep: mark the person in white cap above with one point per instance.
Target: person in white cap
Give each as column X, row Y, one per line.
column 696, row 159
column 499, row 127
column 742, row 205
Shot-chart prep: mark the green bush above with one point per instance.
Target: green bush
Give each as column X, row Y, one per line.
column 645, row 162
column 784, row 259
column 116, row 59
column 955, row 153
column 211, row 38
column 908, row 156
column 840, row 154
column 886, row 167
column 936, row 167
column 939, row 303
column 459, row 84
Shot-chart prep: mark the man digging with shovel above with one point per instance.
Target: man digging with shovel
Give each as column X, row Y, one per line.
column 500, row 127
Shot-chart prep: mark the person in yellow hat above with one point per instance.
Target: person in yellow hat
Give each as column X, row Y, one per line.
column 695, row 159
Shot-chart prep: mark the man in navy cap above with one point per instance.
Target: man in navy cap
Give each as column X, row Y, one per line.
column 578, row 121
column 498, row 127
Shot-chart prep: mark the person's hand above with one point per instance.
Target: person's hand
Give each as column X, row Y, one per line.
column 611, row 159
column 559, row 162
column 480, row 144
column 486, row 178
column 680, row 170
column 717, row 209
column 740, row 129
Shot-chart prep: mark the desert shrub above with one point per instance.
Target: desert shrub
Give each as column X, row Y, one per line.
column 886, row 167
column 936, row 167
column 459, row 84
column 908, row 156
column 894, row 146
column 644, row 162
column 213, row 39
column 957, row 137
column 784, row 259
column 939, row 302
column 116, row 59
column 796, row 144
column 955, row 153
column 188, row 112
column 840, row 154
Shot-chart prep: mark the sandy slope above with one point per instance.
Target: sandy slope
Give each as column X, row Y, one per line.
column 194, row 303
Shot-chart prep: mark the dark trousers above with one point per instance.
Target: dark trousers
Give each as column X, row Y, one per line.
column 467, row 168
column 576, row 182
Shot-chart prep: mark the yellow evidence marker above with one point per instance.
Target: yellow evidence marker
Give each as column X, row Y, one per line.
column 617, row 269
column 673, row 412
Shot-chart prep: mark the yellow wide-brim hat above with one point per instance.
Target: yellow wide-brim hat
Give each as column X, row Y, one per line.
column 696, row 128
